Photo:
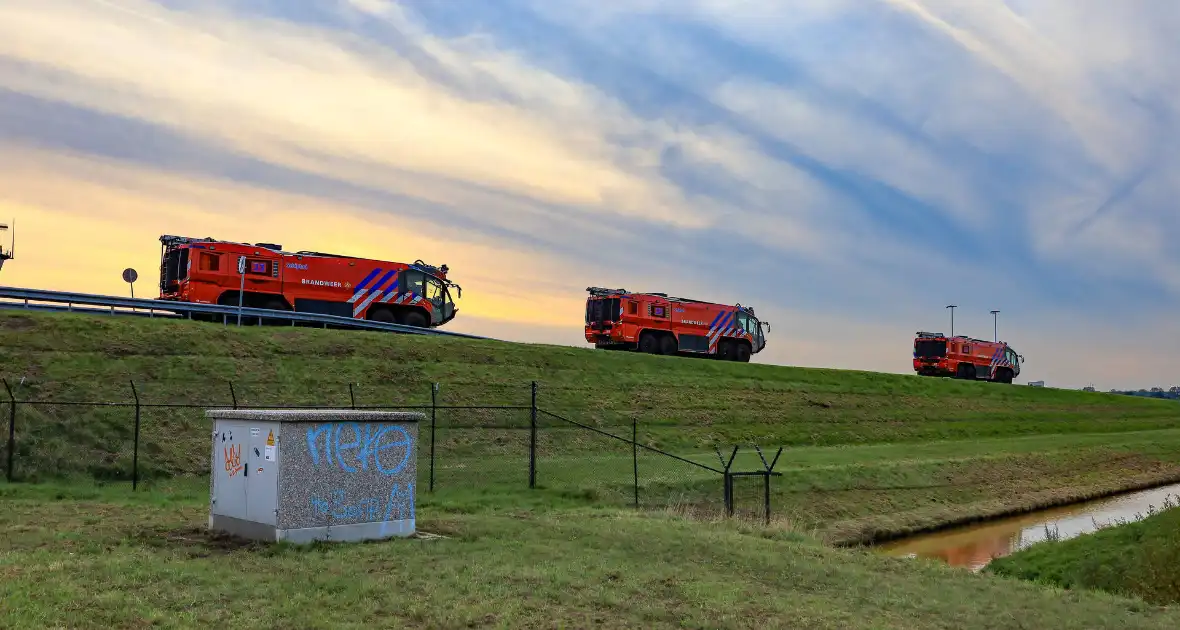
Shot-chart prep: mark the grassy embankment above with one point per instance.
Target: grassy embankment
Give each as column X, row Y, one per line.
column 867, row 455
column 102, row 558
column 1140, row 558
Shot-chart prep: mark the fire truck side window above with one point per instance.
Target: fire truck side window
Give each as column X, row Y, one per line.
column 633, row 308
column 413, row 281
column 209, row 262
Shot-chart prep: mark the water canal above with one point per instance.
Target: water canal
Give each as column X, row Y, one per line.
column 973, row 546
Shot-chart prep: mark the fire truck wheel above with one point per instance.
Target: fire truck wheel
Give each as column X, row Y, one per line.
column 648, row 343
column 414, row 318
column 275, row 305
column 742, row 353
column 668, row 345
column 725, row 351
column 381, row 315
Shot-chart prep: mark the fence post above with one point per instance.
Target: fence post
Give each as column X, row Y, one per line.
column 351, row 395
column 635, row 456
column 433, row 414
column 135, row 456
column 769, row 471
column 727, row 490
column 533, row 440
column 766, row 489
column 233, row 395
column 11, row 429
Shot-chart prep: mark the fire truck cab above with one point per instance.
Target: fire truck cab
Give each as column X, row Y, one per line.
column 935, row 354
column 206, row 271
column 655, row 323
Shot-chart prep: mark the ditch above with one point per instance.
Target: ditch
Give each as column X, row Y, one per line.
column 974, row 546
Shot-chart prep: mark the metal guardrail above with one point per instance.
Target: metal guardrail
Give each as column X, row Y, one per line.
column 61, row 301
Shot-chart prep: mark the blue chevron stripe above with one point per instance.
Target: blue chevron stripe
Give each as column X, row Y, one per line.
column 369, row 278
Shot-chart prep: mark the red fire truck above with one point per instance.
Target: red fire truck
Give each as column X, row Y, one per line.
column 964, row 357
column 209, row 271
column 617, row 319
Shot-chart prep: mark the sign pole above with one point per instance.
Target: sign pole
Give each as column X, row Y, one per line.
column 242, row 290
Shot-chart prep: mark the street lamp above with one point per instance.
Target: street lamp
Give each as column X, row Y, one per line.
column 995, row 326
column 952, row 307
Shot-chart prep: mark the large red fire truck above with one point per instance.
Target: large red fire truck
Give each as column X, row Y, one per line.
column 935, row 354
column 209, row 271
column 655, row 323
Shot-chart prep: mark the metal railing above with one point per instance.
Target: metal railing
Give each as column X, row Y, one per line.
column 39, row 300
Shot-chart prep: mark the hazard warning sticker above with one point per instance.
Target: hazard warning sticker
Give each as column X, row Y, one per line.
column 269, row 452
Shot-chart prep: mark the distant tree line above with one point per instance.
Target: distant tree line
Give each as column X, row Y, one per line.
column 1154, row 392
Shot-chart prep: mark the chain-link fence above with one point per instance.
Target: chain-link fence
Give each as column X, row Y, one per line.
column 507, row 440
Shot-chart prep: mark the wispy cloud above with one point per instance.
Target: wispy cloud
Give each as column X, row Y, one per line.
column 848, row 167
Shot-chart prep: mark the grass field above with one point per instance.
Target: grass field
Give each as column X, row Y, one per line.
column 98, row 558
column 867, row 456
column 1140, row 558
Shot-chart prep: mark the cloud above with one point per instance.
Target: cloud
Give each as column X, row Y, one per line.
column 82, row 221
column 847, row 167
column 294, row 93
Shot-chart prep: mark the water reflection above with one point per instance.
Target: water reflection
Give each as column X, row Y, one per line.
column 973, row 546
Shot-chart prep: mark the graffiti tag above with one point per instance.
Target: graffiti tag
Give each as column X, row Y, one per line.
column 369, row 508
column 233, row 459
column 352, row 447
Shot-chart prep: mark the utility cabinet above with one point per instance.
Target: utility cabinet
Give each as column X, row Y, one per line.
column 304, row 475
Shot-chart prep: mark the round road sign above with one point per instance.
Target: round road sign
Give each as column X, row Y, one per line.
column 130, row 275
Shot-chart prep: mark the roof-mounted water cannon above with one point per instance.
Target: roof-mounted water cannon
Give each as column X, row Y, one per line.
column 438, row 272
column 601, row 292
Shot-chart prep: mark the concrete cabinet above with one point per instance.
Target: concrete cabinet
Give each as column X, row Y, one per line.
column 300, row 476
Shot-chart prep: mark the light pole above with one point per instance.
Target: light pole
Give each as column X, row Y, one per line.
column 952, row 307
column 995, row 326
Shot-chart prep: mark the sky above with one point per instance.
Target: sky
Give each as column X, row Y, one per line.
column 847, row 167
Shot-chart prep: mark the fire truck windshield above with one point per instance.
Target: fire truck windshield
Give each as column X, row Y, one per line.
column 173, row 268
column 750, row 324
column 440, row 299
column 930, row 348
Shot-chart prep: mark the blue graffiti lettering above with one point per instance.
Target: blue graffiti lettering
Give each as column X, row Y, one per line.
column 404, row 442
column 367, row 509
column 402, row 502
column 353, row 452
column 341, row 449
column 340, row 508
column 313, row 436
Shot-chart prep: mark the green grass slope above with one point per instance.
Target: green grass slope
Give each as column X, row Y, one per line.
column 1140, row 558
column 867, row 455
column 86, row 558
